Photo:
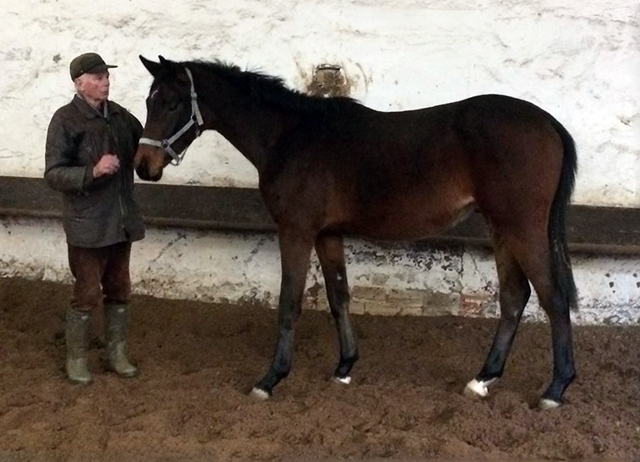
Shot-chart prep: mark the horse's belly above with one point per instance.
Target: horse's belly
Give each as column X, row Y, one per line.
column 411, row 223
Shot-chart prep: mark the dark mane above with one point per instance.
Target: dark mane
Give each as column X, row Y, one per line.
column 272, row 91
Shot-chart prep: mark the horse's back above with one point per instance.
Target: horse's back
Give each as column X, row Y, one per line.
column 408, row 174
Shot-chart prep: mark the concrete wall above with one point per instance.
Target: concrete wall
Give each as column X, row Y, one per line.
column 384, row 279
column 580, row 62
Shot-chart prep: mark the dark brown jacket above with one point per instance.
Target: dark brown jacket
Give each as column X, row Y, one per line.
column 96, row 212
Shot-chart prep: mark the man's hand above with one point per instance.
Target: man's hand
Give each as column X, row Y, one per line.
column 108, row 165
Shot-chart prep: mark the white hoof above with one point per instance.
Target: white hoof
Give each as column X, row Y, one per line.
column 343, row 380
column 478, row 389
column 259, row 394
column 547, row 404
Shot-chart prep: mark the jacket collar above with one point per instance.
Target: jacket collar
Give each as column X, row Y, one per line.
column 91, row 113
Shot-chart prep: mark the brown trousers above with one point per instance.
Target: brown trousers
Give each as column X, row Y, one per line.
column 102, row 275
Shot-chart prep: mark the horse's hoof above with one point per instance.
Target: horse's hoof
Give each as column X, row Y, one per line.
column 546, row 404
column 259, row 394
column 477, row 389
column 342, row 380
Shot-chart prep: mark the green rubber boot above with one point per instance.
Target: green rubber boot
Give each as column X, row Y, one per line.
column 117, row 327
column 77, row 340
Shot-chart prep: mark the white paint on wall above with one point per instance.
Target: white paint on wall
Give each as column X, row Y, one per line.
column 580, row 61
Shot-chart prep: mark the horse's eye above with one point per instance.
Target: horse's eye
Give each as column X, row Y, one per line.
column 174, row 105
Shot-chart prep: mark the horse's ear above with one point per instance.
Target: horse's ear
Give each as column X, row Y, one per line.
column 153, row 68
column 168, row 67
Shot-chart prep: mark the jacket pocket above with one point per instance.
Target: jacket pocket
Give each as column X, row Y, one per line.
column 84, row 204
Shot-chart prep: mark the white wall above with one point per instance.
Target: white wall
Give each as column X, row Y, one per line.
column 578, row 60
column 394, row 279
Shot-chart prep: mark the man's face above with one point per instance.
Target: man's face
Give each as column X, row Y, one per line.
column 94, row 87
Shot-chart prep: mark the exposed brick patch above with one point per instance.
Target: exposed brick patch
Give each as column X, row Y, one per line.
column 381, row 308
column 411, row 311
column 409, row 296
column 365, row 293
column 439, row 303
column 356, row 307
column 380, row 301
column 474, row 305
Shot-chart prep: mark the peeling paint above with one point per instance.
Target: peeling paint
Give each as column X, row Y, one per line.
column 245, row 268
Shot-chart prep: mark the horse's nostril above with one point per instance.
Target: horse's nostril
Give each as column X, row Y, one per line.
column 142, row 172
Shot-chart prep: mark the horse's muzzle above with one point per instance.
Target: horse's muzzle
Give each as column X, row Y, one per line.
column 148, row 163
column 143, row 172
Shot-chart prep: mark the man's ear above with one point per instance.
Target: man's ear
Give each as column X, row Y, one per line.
column 77, row 82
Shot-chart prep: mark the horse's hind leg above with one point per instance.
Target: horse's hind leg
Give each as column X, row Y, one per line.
column 532, row 250
column 330, row 252
column 295, row 249
column 514, row 294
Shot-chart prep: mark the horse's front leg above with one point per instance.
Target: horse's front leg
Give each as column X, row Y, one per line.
column 295, row 250
column 330, row 250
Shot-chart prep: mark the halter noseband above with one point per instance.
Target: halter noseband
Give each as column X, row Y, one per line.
column 196, row 118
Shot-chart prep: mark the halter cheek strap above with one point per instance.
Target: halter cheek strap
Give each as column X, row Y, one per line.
column 195, row 119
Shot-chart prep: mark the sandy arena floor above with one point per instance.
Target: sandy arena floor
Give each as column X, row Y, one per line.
column 199, row 360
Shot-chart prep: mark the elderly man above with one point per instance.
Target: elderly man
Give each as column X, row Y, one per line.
column 90, row 147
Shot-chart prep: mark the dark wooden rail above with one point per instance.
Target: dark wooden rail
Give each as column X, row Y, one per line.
column 614, row 230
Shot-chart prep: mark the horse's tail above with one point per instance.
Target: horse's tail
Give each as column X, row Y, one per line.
column 560, row 261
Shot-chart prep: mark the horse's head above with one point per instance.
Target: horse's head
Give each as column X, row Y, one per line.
column 173, row 120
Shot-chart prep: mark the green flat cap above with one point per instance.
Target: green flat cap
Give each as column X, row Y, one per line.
column 87, row 63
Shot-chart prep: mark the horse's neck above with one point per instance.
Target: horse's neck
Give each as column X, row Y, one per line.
column 252, row 129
